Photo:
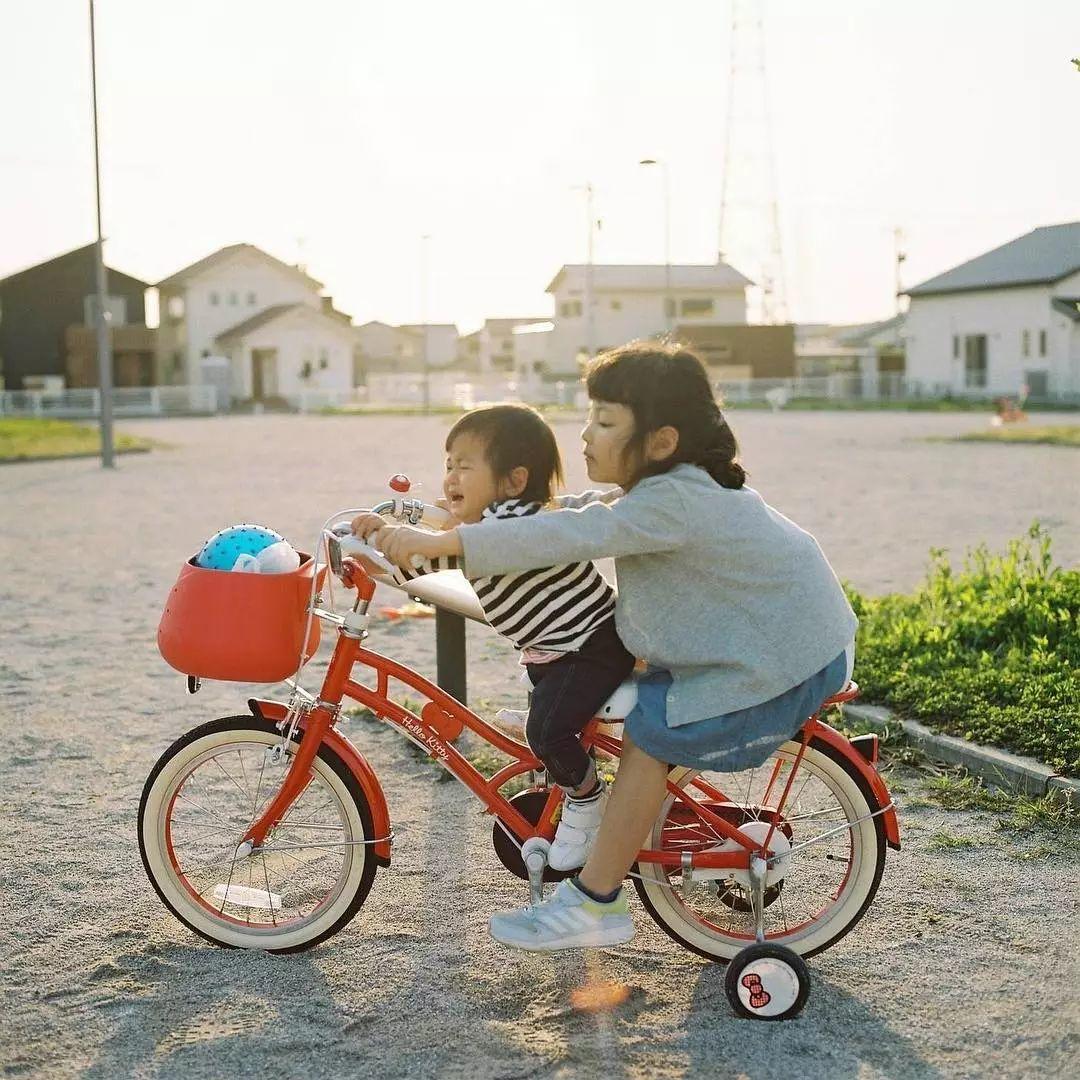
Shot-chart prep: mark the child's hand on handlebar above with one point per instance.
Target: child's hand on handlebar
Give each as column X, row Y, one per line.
column 365, row 524
column 399, row 543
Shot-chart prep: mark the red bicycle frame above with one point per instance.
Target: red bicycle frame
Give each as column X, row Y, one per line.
column 443, row 713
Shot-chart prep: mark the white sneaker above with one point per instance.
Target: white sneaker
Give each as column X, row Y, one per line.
column 512, row 722
column 576, row 834
column 568, row 920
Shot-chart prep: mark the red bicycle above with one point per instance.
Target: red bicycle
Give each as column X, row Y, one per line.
column 265, row 830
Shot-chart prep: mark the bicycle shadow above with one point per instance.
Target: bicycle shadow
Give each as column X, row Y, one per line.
column 836, row 1037
column 195, row 1010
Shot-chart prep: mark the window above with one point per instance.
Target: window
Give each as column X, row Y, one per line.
column 115, row 310
column 975, row 361
column 1038, row 384
column 616, row 305
column 669, row 308
column 570, row 309
column 956, row 346
column 233, row 299
column 1042, row 342
column 1025, row 342
column 214, row 299
column 175, row 307
column 697, row 306
column 324, row 359
column 251, row 299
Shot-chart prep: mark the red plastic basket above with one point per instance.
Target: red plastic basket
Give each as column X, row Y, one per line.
column 239, row 627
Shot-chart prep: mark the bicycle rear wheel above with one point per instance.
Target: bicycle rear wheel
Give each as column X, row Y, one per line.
column 303, row 884
column 814, row 895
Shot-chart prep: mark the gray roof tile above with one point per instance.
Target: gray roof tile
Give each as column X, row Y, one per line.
column 1039, row 257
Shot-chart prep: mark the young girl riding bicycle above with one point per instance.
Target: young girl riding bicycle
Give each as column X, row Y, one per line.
column 741, row 619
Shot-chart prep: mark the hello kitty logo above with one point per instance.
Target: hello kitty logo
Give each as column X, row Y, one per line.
column 759, row 996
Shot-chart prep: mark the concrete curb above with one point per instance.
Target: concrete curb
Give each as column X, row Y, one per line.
column 73, row 457
column 1010, row 772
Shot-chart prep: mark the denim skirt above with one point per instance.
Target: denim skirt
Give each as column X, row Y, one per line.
column 733, row 741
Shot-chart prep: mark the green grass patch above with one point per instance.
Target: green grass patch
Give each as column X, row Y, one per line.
column 1062, row 435
column 946, row 841
column 28, row 438
column 922, row 405
column 990, row 652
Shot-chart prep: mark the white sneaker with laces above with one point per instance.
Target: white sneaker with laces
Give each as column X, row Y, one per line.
column 567, row 920
column 576, row 834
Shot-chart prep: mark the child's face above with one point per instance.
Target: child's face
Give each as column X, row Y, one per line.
column 606, row 435
column 469, row 485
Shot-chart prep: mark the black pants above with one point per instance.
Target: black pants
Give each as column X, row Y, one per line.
column 567, row 694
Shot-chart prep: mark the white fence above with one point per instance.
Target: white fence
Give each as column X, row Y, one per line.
column 868, row 386
column 126, row 401
column 464, row 394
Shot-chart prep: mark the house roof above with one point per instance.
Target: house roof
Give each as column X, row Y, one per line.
column 272, row 314
column 181, row 277
column 504, row 326
column 861, row 333
column 86, row 249
column 1044, row 255
column 650, row 276
column 418, row 328
column 1070, row 308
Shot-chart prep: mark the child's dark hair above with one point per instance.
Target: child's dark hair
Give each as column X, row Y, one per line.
column 515, row 435
column 668, row 385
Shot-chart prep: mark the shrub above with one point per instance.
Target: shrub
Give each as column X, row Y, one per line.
column 990, row 653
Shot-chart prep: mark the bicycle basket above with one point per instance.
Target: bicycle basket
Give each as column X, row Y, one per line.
column 239, row 627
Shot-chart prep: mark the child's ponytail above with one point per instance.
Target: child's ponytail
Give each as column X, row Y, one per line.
column 667, row 385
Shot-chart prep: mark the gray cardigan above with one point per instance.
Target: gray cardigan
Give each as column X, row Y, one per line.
column 716, row 586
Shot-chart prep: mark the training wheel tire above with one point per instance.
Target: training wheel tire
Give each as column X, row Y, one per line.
column 767, row 982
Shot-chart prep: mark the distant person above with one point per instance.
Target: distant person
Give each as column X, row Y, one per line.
column 502, row 463
column 739, row 614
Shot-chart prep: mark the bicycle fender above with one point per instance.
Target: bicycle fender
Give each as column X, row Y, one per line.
column 355, row 762
column 870, row 774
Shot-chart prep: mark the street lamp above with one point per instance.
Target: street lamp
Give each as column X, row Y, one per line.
column 667, row 235
column 104, row 350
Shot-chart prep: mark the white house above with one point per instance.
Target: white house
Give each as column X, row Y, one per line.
column 632, row 301
column 495, row 342
column 438, row 342
column 216, row 294
column 531, row 344
column 1006, row 319
column 380, row 345
column 288, row 349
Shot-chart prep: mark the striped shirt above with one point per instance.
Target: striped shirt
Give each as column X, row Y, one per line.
column 551, row 609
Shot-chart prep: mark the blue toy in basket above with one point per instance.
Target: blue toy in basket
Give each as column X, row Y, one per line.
column 222, row 550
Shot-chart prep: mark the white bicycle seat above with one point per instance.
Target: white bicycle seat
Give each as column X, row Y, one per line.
column 619, row 705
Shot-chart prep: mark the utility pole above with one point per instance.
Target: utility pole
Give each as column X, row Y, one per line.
column 423, row 320
column 101, row 317
column 590, row 325
column 899, row 256
column 668, row 300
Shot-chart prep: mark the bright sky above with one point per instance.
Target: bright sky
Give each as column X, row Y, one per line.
column 337, row 132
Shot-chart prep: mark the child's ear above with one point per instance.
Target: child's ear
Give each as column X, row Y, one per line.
column 517, row 480
column 661, row 443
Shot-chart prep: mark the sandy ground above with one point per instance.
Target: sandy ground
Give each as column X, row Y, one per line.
column 966, row 965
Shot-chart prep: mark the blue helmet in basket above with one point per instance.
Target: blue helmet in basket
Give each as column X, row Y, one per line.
column 222, row 550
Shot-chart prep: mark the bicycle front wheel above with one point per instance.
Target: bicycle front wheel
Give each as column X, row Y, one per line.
column 831, row 855
column 303, row 884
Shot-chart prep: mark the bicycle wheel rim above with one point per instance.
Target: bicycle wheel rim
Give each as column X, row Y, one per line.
column 239, row 915
column 849, row 891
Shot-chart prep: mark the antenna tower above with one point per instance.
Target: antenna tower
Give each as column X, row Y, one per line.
column 749, row 211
